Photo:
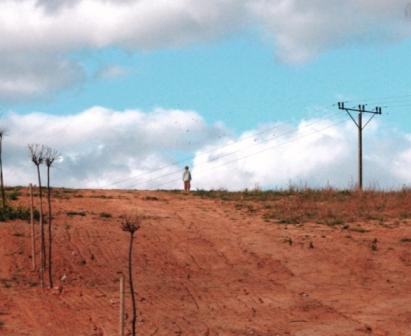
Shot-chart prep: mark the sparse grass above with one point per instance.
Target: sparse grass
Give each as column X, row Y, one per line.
column 102, row 196
column 405, row 215
column 13, row 194
column 10, row 213
column 76, row 213
column 18, row 234
column 374, row 244
column 6, row 283
column 105, row 215
column 335, row 208
column 359, row 230
column 405, row 240
column 150, row 198
column 290, row 220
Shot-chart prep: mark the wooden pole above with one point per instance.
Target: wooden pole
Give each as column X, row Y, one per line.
column 122, row 305
column 50, row 218
column 360, row 128
column 133, row 294
column 42, row 239
column 33, row 238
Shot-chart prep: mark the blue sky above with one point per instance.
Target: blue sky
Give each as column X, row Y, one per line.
column 148, row 83
column 238, row 80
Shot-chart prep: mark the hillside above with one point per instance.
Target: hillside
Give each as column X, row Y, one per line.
column 263, row 264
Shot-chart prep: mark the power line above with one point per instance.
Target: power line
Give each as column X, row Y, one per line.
column 144, row 174
column 376, row 100
column 224, row 155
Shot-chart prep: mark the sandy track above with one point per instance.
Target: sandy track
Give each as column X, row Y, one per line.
column 204, row 268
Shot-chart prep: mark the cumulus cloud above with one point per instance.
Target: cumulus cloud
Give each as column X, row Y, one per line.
column 316, row 153
column 301, row 29
column 141, row 24
column 136, row 149
column 100, row 145
column 35, row 76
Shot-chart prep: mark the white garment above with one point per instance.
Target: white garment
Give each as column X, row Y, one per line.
column 186, row 176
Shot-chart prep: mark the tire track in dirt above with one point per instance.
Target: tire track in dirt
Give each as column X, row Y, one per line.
column 202, row 268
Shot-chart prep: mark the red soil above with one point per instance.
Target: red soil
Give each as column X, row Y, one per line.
column 203, row 267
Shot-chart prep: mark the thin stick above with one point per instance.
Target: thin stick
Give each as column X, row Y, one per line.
column 131, row 225
column 42, row 239
column 37, row 157
column 33, row 238
column 50, row 218
column 130, row 278
column 122, row 305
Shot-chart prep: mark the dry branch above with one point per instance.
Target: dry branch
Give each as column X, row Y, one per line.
column 37, row 157
column 131, row 225
column 50, row 156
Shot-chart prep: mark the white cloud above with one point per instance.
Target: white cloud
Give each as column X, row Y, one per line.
column 35, row 76
column 301, row 29
column 54, row 28
column 27, row 25
column 102, row 146
column 316, row 153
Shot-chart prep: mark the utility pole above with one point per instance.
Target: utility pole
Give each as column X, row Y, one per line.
column 359, row 123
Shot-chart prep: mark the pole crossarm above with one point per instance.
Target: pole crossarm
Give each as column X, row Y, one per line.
column 360, row 109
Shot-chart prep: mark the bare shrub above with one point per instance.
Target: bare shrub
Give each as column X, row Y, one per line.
column 131, row 225
column 37, row 153
column 50, row 156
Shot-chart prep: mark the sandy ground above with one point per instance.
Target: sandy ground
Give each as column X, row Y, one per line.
column 204, row 267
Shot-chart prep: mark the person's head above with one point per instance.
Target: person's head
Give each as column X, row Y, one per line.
column 186, row 168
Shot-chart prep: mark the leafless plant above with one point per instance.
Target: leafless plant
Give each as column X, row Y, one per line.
column 50, row 156
column 3, row 194
column 37, row 153
column 131, row 225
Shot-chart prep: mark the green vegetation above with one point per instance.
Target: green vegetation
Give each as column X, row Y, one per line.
column 14, row 194
column 9, row 213
column 105, row 215
column 267, row 195
column 76, row 213
column 331, row 207
column 151, row 198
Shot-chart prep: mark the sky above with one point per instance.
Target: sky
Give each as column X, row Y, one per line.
column 242, row 91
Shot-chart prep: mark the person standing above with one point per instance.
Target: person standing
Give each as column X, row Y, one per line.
column 187, row 179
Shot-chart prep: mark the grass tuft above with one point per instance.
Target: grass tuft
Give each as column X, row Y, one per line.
column 9, row 213
column 76, row 213
column 105, row 215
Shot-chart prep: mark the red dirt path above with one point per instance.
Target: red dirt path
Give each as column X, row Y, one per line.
column 204, row 268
